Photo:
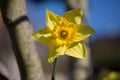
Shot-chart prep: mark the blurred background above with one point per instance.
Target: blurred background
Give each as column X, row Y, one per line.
column 102, row 15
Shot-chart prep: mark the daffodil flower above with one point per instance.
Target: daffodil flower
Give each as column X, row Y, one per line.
column 64, row 34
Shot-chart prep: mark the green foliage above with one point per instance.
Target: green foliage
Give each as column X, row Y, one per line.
column 106, row 74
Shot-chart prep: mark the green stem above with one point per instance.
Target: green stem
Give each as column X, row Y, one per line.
column 54, row 70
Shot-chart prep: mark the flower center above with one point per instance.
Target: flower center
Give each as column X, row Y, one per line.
column 63, row 34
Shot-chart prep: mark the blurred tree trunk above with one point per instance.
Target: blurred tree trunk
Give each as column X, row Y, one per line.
column 1, row 29
column 20, row 30
column 82, row 69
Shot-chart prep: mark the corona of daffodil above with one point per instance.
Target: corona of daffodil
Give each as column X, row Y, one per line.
column 64, row 34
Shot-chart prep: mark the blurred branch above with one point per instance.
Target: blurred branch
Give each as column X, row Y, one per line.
column 4, row 75
column 20, row 30
column 81, row 68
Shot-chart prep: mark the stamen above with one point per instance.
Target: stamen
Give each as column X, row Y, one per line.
column 63, row 34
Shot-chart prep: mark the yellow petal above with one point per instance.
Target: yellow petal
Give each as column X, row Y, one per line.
column 77, row 50
column 43, row 36
column 74, row 16
column 51, row 19
column 55, row 51
column 84, row 32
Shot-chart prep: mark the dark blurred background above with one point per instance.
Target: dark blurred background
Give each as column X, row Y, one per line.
column 103, row 16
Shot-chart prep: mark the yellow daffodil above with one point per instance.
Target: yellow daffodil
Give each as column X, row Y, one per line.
column 64, row 34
